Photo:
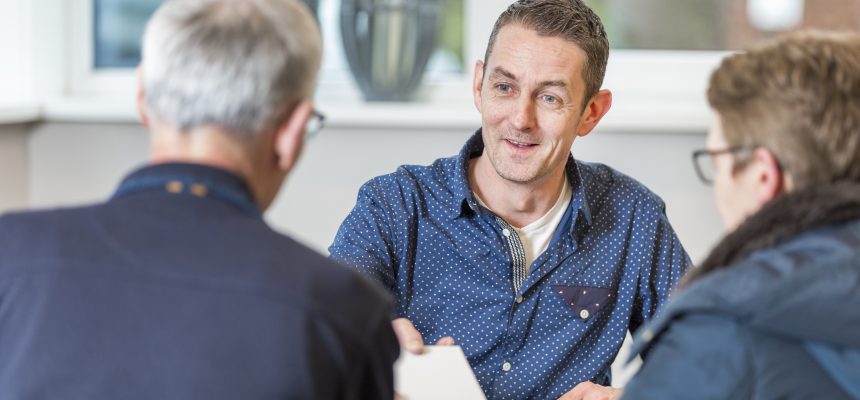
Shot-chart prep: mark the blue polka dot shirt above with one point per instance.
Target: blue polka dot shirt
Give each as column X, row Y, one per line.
column 451, row 266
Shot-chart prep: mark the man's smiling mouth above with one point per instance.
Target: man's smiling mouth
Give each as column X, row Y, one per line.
column 521, row 145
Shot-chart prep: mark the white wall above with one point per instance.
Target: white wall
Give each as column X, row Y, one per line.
column 14, row 176
column 75, row 163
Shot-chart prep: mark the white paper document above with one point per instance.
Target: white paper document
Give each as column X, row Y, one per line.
column 442, row 372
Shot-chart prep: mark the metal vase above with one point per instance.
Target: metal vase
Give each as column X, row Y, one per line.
column 388, row 43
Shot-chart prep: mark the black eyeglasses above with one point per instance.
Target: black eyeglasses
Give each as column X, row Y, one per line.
column 315, row 124
column 702, row 160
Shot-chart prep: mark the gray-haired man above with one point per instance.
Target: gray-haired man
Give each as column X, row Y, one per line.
column 176, row 288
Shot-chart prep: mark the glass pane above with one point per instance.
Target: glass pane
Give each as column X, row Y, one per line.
column 450, row 57
column 119, row 26
column 716, row 24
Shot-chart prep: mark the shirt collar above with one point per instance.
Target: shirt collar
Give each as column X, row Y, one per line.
column 464, row 199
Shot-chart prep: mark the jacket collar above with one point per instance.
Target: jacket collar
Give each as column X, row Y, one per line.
column 190, row 179
column 790, row 269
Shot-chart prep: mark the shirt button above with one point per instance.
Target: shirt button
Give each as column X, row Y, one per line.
column 174, row 187
column 584, row 314
column 506, row 366
column 506, row 232
column 519, row 299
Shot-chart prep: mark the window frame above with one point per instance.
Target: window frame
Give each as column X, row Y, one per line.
column 653, row 90
column 16, row 74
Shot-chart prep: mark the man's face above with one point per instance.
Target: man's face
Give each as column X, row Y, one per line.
column 734, row 190
column 530, row 99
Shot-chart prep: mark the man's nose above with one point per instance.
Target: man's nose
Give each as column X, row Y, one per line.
column 523, row 117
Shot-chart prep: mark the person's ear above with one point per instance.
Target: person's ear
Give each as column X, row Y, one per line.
column 596, row 108
column 478, row 83
column 140, row 98
column 766, row 175
column 290, row 135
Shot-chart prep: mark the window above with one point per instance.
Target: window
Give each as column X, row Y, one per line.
column 664, row 51
column 716, row 24
column 119, row 25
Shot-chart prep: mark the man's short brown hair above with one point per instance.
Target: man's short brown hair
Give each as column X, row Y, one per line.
column 799, row 97
column 571, row 20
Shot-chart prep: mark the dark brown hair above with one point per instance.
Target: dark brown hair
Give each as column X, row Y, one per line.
column 571, row 20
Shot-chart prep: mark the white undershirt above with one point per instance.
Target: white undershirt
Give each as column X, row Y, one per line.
column 536, row 236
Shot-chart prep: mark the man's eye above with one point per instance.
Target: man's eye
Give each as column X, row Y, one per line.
column 504, row 88
column 549, row 99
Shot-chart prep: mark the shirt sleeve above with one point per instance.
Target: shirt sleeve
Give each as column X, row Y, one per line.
column 696, row 357
column 659, row 277
column 365, row 239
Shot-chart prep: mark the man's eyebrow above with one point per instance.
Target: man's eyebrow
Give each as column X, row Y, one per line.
column 499, row 71
column 507, row 74
column 503, row 72
column 560, row 84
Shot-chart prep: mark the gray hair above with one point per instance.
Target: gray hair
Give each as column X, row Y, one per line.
column 241, row 65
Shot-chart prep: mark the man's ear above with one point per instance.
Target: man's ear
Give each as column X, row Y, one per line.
column 290, row 135
column 766, row 176
column 140, row 98
column 594, row 111
column 478, row 83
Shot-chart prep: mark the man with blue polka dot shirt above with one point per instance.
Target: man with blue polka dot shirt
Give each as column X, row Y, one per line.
column 535, row 263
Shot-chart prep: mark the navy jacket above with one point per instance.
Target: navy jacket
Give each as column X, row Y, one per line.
column 782, row 324
column 177, row 289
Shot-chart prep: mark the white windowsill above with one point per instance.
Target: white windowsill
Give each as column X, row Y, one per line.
column 18, row 112
column 661, row 116
column 661, row 92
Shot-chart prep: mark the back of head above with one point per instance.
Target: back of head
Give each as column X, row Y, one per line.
column 571, row 20
column 799, row 97
column 240, row 65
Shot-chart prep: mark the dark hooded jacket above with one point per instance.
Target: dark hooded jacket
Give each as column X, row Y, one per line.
column 774, row 312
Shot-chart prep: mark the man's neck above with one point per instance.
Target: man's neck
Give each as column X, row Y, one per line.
column 206, row 146
column 519, row 204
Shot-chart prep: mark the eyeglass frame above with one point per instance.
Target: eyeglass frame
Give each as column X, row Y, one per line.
column 316, row 122
column 697, row 154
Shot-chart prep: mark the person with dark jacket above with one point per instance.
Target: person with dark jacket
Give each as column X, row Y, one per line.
column 175, row 287
column 774, row 311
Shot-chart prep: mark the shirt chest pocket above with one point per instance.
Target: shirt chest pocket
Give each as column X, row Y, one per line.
column 584, row 301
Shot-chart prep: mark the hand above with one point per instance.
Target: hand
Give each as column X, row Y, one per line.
column 410, row 339
column 591, row 391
